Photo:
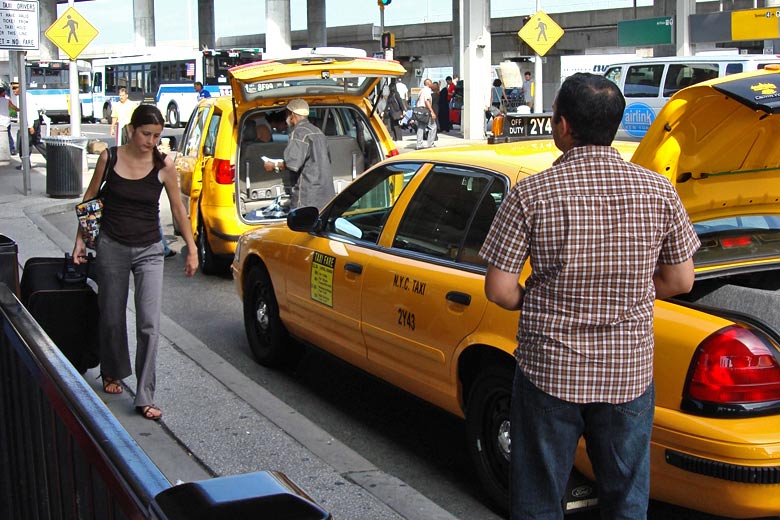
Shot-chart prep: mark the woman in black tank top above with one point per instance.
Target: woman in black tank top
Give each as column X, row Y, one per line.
column 129, row 242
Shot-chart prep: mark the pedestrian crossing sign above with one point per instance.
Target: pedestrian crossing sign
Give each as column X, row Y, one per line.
column 71, row 33
column 540, row 33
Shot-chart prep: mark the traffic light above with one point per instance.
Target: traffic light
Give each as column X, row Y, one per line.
column 388, row 40
column 383, row 3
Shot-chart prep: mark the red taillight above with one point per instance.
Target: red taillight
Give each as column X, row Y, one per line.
column 736, row 242
column 734, row 366
column 224, row 172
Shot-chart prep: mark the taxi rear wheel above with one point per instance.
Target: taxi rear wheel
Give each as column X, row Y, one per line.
column 208, row 262
column 487, row 431
column 268, row 338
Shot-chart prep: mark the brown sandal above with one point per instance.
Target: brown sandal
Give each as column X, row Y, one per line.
column 111, row 386
column 148, row 412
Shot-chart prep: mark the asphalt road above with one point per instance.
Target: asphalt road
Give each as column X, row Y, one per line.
column 403, row 436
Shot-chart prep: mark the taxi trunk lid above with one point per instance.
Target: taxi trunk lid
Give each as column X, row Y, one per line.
column 309, row 75
column 719, row 143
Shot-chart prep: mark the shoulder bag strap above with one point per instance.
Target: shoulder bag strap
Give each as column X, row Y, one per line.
column 110, row 162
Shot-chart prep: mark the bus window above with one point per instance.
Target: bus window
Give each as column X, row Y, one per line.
column 681, row 75
column 97, row 83
column 736, row 68
column 643, row 81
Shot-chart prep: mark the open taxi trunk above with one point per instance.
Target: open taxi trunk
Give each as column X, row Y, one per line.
column 719, row 143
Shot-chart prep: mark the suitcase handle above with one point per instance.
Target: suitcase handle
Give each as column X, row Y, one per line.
column 69, row 274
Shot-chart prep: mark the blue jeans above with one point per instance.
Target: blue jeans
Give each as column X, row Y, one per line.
column 545, row 431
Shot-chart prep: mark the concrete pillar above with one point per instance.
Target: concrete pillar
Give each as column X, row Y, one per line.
column 457, row 48
column 143, row 22
column 316, row 23
column 685, row 8
column 47, row 14
column 278, row 39
column 206, row 33
column 475, row 35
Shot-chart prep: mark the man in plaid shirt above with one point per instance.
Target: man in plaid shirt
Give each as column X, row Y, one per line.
column 605, row 238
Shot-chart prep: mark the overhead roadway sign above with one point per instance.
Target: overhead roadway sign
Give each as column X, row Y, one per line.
column 71, row 32
column 540, row 33
column 750, row 24
column 19, row 25
column 647, row 31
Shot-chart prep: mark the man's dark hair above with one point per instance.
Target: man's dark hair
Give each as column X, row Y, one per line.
column 592, row 105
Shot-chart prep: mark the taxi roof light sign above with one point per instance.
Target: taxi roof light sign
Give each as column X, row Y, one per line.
column 71, row 33
column 540, row 33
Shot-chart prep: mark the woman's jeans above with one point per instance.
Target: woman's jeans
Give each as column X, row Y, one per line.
column 545, row 431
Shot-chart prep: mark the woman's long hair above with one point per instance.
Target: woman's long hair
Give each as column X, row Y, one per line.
column 149, row 115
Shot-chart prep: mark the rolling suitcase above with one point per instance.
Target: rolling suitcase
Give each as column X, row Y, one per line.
column 56, row 293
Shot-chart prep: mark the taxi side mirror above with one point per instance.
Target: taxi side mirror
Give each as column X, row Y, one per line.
column 303, row 219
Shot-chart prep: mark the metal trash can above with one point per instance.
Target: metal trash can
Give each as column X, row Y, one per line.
column 9, row 264
column 64, row 165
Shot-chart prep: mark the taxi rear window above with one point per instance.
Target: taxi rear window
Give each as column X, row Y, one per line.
column 307, row 86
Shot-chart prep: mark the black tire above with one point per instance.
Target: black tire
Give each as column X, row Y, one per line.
column 487, row 431
column 209, row 263
column 268, row 338
column 173, row 117
column 107, row 113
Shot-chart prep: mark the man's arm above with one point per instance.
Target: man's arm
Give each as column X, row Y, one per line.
column 503, row 289
column 673, row 279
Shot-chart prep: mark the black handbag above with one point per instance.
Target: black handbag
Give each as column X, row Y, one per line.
column 421, row 115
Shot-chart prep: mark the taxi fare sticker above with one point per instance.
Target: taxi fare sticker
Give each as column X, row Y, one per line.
column 322, row 278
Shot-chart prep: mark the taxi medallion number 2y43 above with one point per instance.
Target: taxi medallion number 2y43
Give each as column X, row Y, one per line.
column 406, row 317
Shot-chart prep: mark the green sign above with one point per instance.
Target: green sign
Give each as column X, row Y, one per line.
column 648, row 31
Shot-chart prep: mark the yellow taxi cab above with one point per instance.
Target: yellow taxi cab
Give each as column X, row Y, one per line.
column 388, row 277
column 220, row 159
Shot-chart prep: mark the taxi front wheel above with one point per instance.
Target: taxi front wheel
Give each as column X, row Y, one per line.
column 268, row 338
column 487, row 431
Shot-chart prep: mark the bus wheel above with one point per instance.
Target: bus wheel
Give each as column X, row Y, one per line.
column 173, row 116
column 107, row 114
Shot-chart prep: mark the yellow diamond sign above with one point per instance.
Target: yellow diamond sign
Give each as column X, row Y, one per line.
column 540, row 33
column 71, row 33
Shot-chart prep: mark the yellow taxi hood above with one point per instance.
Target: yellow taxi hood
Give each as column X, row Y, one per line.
column 310, row 76
column 719, row 143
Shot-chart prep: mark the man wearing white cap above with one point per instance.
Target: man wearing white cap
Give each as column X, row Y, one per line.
column 307, row 158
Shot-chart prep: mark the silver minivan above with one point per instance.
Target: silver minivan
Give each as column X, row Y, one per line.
column 648, row 83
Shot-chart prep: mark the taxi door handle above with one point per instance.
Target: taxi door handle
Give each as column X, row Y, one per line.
column 353, row 268
column 459, row 297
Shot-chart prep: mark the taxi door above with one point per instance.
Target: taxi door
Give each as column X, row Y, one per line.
column 190, row 161
column 324, row 285
column 424, row 294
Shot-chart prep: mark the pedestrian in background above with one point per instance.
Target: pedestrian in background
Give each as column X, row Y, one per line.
column 498, row 95
column 307, row 158
column 129, row 242
column 585, row 336
column 121, row 113
column 395, row 109
column 403, row 90
column 202, row 92
column 444, row 106
column 33, row 116
column 424, row 99
column 5, row 117
column 528, row 90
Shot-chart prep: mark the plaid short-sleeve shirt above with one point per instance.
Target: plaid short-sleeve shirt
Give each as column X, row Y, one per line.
column 594, row 226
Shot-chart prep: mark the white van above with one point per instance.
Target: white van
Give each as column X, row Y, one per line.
column 648, row 83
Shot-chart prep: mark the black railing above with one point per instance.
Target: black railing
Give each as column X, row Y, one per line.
column 63, row 455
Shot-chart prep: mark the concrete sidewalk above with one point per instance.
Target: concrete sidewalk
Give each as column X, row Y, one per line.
column 217, row 421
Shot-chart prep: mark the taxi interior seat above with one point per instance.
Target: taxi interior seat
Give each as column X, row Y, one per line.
column 480, row 225
column 346, row 160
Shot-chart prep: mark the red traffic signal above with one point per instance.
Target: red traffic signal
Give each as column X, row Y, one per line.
column 388, row 40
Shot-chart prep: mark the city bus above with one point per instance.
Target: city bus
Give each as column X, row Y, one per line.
column 166, row 78
column 49, row 84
